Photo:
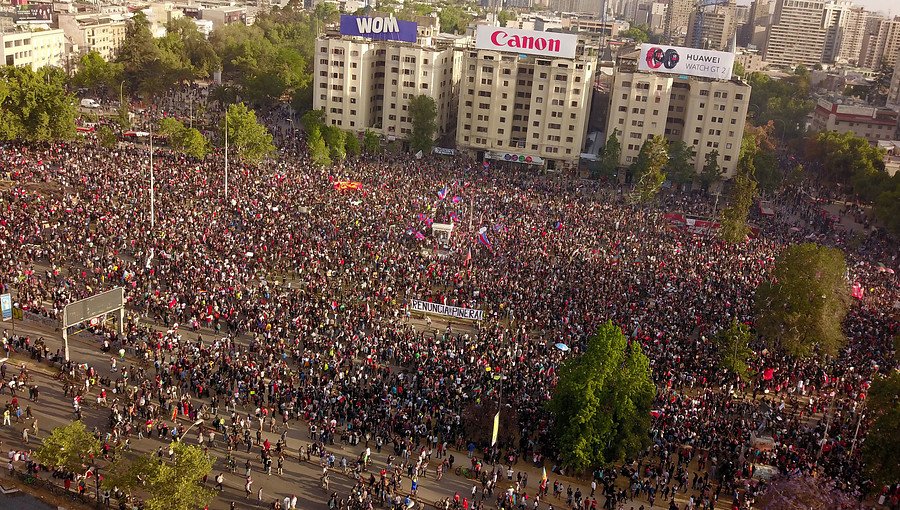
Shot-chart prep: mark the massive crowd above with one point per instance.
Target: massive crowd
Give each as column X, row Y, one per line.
column 305, row 290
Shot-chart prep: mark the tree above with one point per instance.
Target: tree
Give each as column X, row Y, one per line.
column 711, row 171
column 743, row 192
column 141, row 58
column 601, row 404
column 96, row 74
column 318, row 151
column 732, row 346
column 71, row 447
column 802, row 308
column 680, row 168
column 804, row 491
column 881, row 450
column 845, row 157
column 609, row 158
column 648, row 168
column 313, row 118
column 785, row 101
column 887, row 205
column 34, row 105
column 351, row 144
column 765, row 163
column 639, row 33
column 250, row 139
column 738, row 69
column 454, row 19
column 371, row 143
column 167, row 485
column 505, row 17
column 182, row 138
column 422, row 113
column 107, row 137
column 334, row 140
column 881, row 86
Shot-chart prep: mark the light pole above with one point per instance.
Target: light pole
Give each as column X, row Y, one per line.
column 226, row 154
column 198, row 422
column 152, row 182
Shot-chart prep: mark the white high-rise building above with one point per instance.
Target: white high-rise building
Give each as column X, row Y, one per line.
column 797, row 34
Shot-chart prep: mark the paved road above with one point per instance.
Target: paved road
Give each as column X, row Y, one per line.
column 300, row 478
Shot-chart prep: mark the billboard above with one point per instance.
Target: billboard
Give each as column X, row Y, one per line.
column 6, row 306
column 687, row 61
column 446, row 310
column 382, row 28
column 94, row 306
column 36, row 13
column 528, row 42
column 515, row 158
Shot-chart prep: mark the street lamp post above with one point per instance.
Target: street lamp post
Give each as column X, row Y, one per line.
column 198, row 422
column 226, row 154
column 152, row 182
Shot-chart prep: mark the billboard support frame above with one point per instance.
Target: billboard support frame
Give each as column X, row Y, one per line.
column 85, row 317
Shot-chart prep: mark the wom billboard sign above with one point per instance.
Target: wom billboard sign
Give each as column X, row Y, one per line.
column 529, row 42
column 386, row 28
column 688, row 61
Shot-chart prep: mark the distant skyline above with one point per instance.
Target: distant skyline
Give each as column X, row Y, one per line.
column 886, row 7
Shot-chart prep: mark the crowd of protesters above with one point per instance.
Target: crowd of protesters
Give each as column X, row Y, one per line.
column 299, row 293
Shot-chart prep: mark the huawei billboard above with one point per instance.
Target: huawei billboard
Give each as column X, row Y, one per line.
column 686, row 61
column 528, row 42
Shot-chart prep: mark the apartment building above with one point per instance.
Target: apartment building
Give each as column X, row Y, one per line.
column 893, row 99
column 524, row 97
column 881, row 43
column 103, row 33
column 851, row 35
column 362, row 83
column 33, row 48
column 678, row 14
column 713, row 27
column 797, row 34
column 847, row 116
column 706, row 114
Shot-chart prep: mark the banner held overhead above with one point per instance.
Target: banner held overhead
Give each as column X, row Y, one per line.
column 446, row 310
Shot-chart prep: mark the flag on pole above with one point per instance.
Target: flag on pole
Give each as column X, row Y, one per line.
column 496, row 428
column 442, row 194
column 543, row 474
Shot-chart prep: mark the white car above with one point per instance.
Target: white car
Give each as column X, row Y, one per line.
column 90, row 103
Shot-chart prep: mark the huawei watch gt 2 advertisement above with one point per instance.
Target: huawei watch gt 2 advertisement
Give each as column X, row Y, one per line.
column 688, row 61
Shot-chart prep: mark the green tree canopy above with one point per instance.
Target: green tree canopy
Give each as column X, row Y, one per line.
column 351, row 144
column 601, row 404
column 423, row 115
column 680, row 168
column 371, row 143
column 711, row 171
column 182, row 138
column 648, row 168
column 732, row 348
column 784, row 101
column 845, row 156
column 743, row 192
column 802, row 308
column 334, row 140
column 639, row 33
column 35, row 106
column 609, row 157
column 454, row 19
column 318, row 150
column 167, row 485
column 246, row 135
column 71, row 447
column 97, row 75
column 881, row 450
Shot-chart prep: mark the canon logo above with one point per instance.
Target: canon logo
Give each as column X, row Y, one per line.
column 524, row 42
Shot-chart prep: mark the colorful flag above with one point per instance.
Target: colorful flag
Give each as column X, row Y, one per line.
column 419, row 236
column 543, row 474
column 484, row 241
column 496, row 428
column 557, row 225
column 442, row 194
column 456, row 199
column 856, row 290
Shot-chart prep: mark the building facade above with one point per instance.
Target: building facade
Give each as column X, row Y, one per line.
column 678, row 14
column 873, row 124
column 35, row 49
column 708, row 115
column 367, row 84
column 528, row 109
column 881, row 43
column 713, row 27
column 797, row 34
column 893, row 99
column 103, row 33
